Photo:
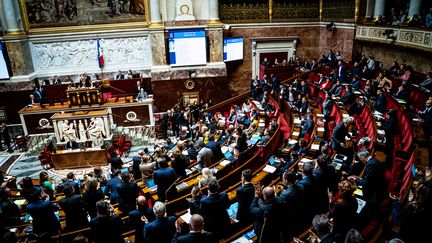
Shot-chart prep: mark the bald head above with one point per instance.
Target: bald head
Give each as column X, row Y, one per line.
column 268, row 193
column 141, row 200
column 196, row 223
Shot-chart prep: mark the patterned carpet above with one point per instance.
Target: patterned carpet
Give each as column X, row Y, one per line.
column 21, row 165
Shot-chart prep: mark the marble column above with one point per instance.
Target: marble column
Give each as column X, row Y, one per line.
column 56, row 131
column 216, row 44
column 10, row 16
column 370, row 6
column 107, row 127
column 414, row 8
column 155, row 14
column 213, row 16
column 170, row 5
column 20, row 56
column 151, row 114
column 379, row 8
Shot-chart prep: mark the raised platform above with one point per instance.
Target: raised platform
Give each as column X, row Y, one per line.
column 69, row 159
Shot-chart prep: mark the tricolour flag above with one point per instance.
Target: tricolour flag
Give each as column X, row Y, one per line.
column 100, row 55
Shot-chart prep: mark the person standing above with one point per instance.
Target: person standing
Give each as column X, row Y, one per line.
column 162, row 229
column 245, row 194
column 106, row 227
column 4, row 130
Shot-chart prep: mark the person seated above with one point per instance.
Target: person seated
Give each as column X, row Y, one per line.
column 402, row 93
column 72, row 144
column 427, row 83
column 106, row 227
column 32, row 100
column 162, row 229
column 265, row 62
column 336, row 89
column 348, row 97
column 119, row 75
column 142, row 95
column 355, row 83
column 383, row 81
column 129, row 74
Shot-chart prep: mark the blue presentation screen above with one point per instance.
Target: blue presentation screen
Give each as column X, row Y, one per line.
column 187, row 47
column 233, row 48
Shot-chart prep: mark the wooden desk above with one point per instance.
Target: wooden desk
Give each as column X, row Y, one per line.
column 65, row 159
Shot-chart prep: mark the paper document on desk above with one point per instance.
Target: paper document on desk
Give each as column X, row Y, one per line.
column 181, row 186
column 295, row 134
column 225, row 162
column 242, row 239
column 270, row 169
column 315, row 146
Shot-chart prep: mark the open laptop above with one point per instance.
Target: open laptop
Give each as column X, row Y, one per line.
column 274, row 161
column 228, row 155
column 151, row 185
column 232, row 211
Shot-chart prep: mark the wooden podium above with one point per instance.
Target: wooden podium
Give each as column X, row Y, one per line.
column 69, row 159
column 83, row 96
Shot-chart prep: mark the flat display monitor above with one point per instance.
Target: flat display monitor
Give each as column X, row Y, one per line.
column 187, row 47
column 233, row 48
column 4, row 69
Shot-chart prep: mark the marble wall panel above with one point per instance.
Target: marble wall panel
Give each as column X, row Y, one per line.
column 158, row 48
column 340, row 39
column 20, row 57
column 216, row 45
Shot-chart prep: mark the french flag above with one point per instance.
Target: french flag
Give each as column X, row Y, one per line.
column 100, row 55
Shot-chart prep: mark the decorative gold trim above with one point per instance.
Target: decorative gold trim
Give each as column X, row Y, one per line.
column 15, row 34
column 156, row 24
column 271, row 11
column 321, row 5
column 356, row 11
column 214, row 22
column 82, row 28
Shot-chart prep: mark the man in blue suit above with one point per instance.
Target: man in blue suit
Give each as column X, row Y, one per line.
column 214, row 210
column 308, row 125
column 215, row 148
column 196, row 233
column 106, row 227
column 373, row 184
column 162, row 229
column 136, row 161
column 164, row 178
column 127, row 193
column 42, row 212
column 309, row 184
column 135, row 218
column 72, row 183
column 341, row 72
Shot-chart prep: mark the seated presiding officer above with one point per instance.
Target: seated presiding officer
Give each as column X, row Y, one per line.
column 142, row 95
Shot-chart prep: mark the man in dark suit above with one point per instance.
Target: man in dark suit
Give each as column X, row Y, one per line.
column 136, row 161
column 426, row 115
column 245, row 195
column 162, row 229
column 292, row 198
column 380, row 102
column 73, row 207
column 267, row 208
column 72, row 183
column 136, row 215
column 42, row 212
column 71, row 144
column 309, row 184
column 127, row 193
column 341, row 72
column 339, row 133
column 275, row 83
column 111, row 187
column 308, row 125
column 119, row 75
column 215, row 148
column 4, row 132
column 374, row 185
column 106, row 227
column 164, row 178
column 56, row 80
column 116, row 162
column 214, row 210
column 196, row 233
column 304, row 88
